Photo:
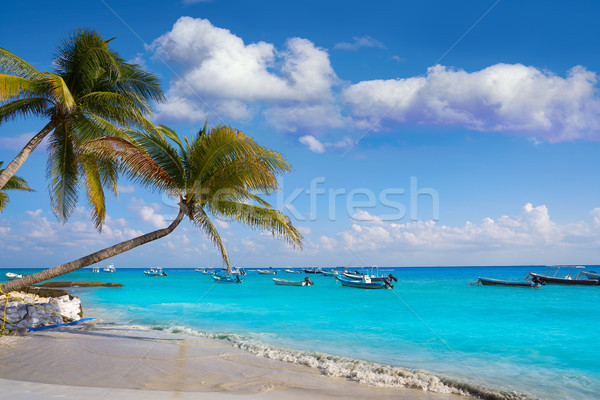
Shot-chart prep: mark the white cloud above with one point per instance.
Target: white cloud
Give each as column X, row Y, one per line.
column 221, row 224
column 126, row 189
column 150, row 216
column 359, row 41
column 316, row 146
column 222, row 75
column 304, row 230
column 531, row 237
column 503, row 97
column 313, row 143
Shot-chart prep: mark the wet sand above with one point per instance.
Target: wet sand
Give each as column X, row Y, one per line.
column 108, row 362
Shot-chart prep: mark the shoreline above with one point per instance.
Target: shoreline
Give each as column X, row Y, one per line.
column 109, row 361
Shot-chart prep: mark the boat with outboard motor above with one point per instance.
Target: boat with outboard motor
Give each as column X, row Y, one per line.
column 156, row 271
column 365, row 283
column 312, row 271
column 552, row 276
column 286, row 282
column 293, row 271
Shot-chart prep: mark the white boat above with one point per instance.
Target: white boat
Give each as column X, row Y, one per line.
column 110, row 268
column 285, row 282
column 12, row 275
column 266, row 272
column 95, row 270
column 157, row 271
column 293, row 271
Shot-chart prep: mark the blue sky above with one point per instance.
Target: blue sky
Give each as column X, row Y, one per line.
column 431, row 132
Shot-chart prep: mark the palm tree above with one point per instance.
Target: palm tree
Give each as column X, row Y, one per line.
column 92, row 93
column 14, row 183
column 217, row 173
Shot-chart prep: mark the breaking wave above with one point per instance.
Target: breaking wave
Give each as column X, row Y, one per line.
column 361, row 371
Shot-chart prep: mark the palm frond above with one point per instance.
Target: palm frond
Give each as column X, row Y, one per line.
column 3, row 200
column 60, row 92
column 200, row 219
column 13, row 65
column 14, row 87
column 95, row 193
column 134, row 162
column 28, row 107
column 62, row 171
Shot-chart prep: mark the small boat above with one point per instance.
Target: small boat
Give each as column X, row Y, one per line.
column 330, row 273
column 227, row 279
column 364, row 283
column 293, row 271
column 312, row 271
column 569, row 279
column 500, row 282
column 374, row 278
column 285, row 282
column 266, row 272
column 110, row 268
column 12, row 275
column 95, row 270
column 157, row 271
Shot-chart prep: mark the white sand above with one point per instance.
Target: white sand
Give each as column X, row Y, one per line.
column 108, row 363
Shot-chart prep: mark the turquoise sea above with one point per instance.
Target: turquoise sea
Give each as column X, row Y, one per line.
column 540, row 343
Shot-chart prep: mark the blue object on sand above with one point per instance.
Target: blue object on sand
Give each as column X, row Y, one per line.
column 41, row 328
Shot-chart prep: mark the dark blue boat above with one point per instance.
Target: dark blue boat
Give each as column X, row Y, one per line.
column 500, row 282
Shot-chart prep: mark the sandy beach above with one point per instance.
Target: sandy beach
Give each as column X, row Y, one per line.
column 102, row 361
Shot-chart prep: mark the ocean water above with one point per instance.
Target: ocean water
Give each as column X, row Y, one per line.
column 433, row 331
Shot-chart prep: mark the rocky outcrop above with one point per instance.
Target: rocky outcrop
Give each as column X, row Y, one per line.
column 56, row 308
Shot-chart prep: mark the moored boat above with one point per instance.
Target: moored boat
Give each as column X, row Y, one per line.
column 110, row 268
column 500, row 282
column 12, row 275
column 374, row 278
column 227, row 279
column 286, row 282
column 553, row 278
column 364, row 283
column 293, row 271
column 312, row 271
column 156, row 271
column 266, row 272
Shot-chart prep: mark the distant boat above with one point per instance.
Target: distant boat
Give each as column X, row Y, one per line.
column 364, row 283
column 95, row 270
column 12, row 275
column 312, row 271
column 568, row 279
column 110, row 268
column 332, row 273
column 500, row 282
column 374, row 278
column 227, row 279
column 293, row 271
column 157, row 271
column 266, row 272
column 285, row 282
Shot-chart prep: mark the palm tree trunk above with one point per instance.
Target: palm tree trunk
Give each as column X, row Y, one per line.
column 19, row 160
column 98, row 256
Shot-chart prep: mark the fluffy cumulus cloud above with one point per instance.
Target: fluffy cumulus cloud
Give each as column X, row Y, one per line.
column 316, row 146
column 532, row 235
column 295, row 89
column 504, row 97
column 222, row 75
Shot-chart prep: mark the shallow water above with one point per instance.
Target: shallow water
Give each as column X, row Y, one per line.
column 542, row 342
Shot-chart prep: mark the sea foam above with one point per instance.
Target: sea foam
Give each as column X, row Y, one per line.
column 365, row 372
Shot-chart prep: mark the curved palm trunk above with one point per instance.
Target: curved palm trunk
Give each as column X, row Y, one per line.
column 19, row 160
column 92, row 258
